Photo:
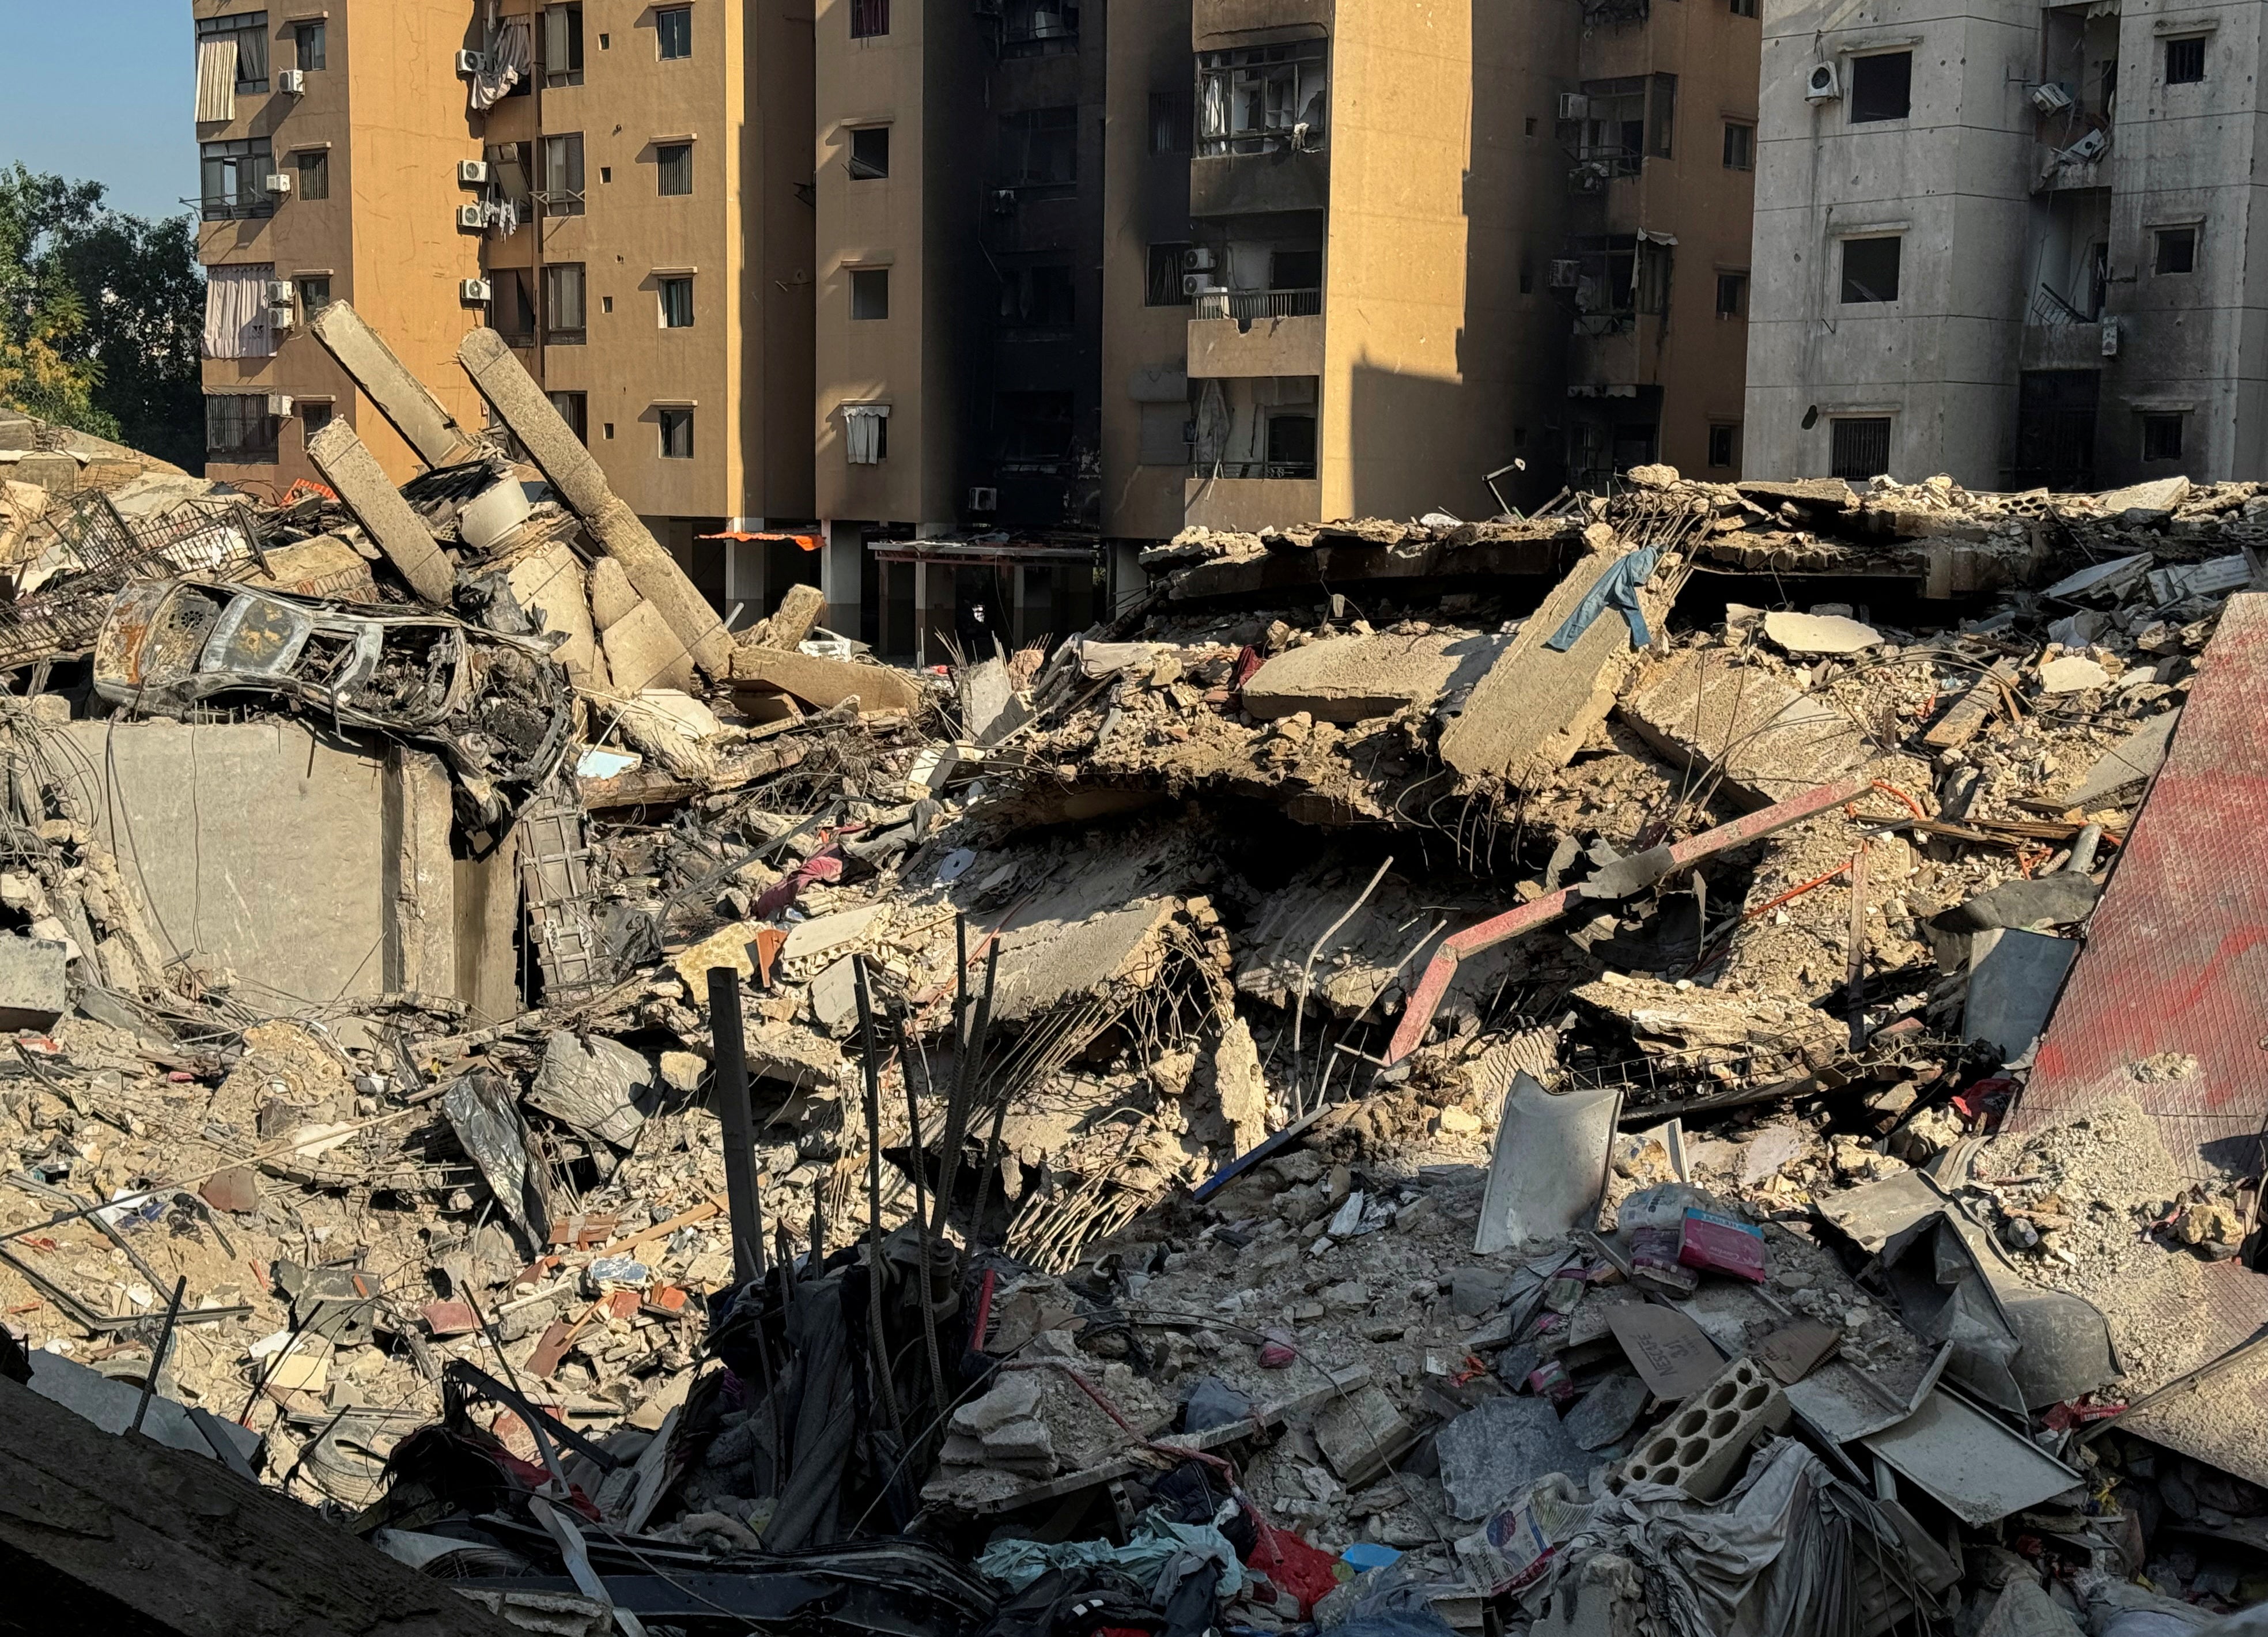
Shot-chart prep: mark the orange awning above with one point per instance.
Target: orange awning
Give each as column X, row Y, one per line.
column 808, row 542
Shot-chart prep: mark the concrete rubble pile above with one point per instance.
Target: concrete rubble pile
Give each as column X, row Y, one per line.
column 1438, row 1076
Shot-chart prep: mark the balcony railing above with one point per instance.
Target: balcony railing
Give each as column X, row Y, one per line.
column 1246, row 305
column 1254, row 468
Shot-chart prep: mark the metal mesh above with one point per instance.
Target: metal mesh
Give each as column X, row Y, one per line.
column 97, row 551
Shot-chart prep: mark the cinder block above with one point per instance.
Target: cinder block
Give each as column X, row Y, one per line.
column 1699, row 1449
column 33, row 992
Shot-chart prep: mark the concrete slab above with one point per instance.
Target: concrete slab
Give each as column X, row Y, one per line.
column 1818, row 633
column 825, row 683
column 217, row 824
column 817, row 937
column 611, row 594
column 2126, row 763
column 2072, row 674
column 549, row 583
column 2163, row 495
column 1348, row 679
column 1704, row 710
column 325, row 567
column 33, row 992
column 643, row 652
column 2014, row 979
column 1529, row 716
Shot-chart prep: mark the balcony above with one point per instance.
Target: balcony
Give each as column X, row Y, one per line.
column 1248, row 504
column 1281, row 178
column 1614, row 349
column 1257, row 332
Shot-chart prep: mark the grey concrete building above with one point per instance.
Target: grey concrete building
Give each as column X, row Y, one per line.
column 2007, row 242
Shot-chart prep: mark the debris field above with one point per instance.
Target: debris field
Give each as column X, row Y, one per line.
column 1674, row 1067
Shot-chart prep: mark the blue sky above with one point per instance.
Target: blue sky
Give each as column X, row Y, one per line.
column 103, row 91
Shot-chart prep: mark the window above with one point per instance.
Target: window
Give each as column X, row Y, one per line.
column 1165, row 285
column 870, row 153
column 1036, row 297
column 676, row 302
column 1860, row 448
column 2177, row 250
column 2185, row 61
column 1740, row 147
column 307, row 44
column 563, row 45
column 1164, row 435
column 1171, row 117
column 314, row 173
column 866, row 432
column 869, row 18
column 574, row 407
column 563, row 174
column 1612, row 135
column 564, row 317
column 314, row 296
column 1882, row 86
column 512, row 313
column 1032, row 28
column 233, row 179
column 2161, row 437
column 673, row 164
column 1039, row 148
column 1032, row 431
column 1264, row 98
column 606, row 304
column 1292, row 445
column 1743, row 7
column 1870, row 270
column 610, row 431
column 1724, row 443
column 1661, row 116
column 248, row 32
column 676, row 433
column 870, row 293
column 238, row 428
column 1732, row 295
column 673, row 32
column 315, row 415
column 1295, row 269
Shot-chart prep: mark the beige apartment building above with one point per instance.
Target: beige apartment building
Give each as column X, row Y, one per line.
column 622, row 189
column 328, row 141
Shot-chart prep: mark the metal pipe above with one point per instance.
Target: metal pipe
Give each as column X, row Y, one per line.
column 157, row 1356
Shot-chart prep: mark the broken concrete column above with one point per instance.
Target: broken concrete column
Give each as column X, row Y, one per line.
column 1705, row 712
column 1529, row 715
column 350, row 469
column 548, row 585
column 416, row 413
column 824, row 682
column 554, row 447
column 611, row 594
column 33, row 993
column 419, row 952
column 792, row 622
column 1349, row 679
column 1241, row 1087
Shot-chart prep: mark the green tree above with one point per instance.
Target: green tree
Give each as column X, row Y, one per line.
column 101, row 316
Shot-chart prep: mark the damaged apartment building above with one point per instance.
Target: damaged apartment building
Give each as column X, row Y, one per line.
column 2010, row 246
column 951, row 310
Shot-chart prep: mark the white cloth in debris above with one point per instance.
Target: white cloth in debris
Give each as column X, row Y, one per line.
column 504, row 66
column 216, row 81
column 236, row 311
column 1773, row 1556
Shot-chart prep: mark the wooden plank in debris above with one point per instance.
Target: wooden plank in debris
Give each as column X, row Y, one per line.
column 131, row 1535
column 1969, row 712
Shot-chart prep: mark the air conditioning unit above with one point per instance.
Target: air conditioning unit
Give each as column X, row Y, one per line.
column 282, row 317
column 475, row 291
column 279, row 404
column 471, row 63
column 2110, row 338
column 279, row 182
column 983, row 499
column 472, row 172
column 1195, row 284
column 1004, row 202
column 2050, row 97
column 1823, row 84
column 1573, row 105
column 279, row 292
column 292, row 81
column 2086, row 151
column 1198, row 259
column 1565, row 275
column 473, row 217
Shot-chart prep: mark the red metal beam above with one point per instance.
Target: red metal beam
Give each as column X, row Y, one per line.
column 1426, row 999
